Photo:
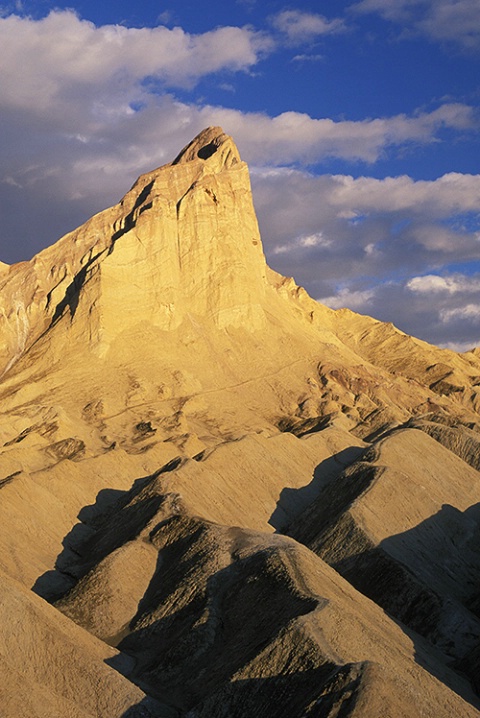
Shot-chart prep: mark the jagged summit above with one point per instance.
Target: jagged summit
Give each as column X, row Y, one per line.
column 210, row 141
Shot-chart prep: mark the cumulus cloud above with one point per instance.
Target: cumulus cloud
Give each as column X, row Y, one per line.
column 67, row 79
column 440, row 20
column 449, row 321
column 307, row 58
column 45, row 60
column 296, row 137
column 356, row 299
column 469, row 312
column 300, row 27
column 84, row 110
column 462, row 347
column 378, row 225
column 434, row 284
column 391, row 245
column 303, row 242
column 451, row 193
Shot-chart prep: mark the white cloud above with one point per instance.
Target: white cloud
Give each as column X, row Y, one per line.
column 391, row 244
column 297, row 137
column 441, row 20
column 464, row 346
column 302, row 27
column 372, row 215
column 454, row 20
column 55, row 58
column 451, row 193
column 67, row 77
column 307, row 58
column 315, row 240
column 469, row 312
column 450, row 320
column 435, row 284
column 12, row 182
column 357, row 300
column 306, row 242
column 86, row 110
column 84, row 125
column 166, row 17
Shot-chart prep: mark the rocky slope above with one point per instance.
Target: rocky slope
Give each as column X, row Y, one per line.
column 237, row 501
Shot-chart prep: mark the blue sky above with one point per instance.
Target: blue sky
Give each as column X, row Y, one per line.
column 359, row 120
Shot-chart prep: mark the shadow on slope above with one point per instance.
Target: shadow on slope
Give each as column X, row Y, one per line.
column 103, row 526
column 150, row 708
column 327, row 690
column 52, row 584
column 292, row 502
column 427, row 579
column 197, row 624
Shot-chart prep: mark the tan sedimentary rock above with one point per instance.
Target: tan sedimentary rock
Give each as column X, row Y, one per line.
column 184, row 239
column 170, row 405
column 51, row 667
column 423, row 564
column 236, row 622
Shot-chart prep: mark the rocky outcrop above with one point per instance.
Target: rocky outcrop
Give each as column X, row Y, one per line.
column 184, row 240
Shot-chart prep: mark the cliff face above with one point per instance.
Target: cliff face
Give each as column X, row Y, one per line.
column 170, row 406
column 184, row 240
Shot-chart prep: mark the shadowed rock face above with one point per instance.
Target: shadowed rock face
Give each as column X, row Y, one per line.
column 237, row 501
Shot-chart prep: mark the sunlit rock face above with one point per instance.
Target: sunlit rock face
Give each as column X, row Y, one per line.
column 184, row 240
column 218, row 497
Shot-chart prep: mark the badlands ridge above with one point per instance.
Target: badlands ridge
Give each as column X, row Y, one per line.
column 218, row 497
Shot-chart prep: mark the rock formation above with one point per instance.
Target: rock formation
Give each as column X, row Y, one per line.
column 218, row 497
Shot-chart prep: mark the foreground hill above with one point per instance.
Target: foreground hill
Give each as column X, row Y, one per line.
column 239, row 502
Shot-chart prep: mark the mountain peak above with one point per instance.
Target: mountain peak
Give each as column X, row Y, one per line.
column 183, row 241
column 212, row 141
column 168, row 403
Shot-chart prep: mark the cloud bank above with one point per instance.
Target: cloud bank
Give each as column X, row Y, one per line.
column 365, row 243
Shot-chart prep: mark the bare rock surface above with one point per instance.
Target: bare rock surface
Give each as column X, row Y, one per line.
column 170, row 409
column 423, row 566
column 51, row 667
column 233, row 620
